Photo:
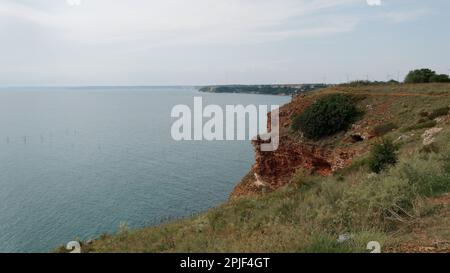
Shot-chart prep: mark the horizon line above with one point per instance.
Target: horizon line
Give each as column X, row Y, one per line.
column 163, row 85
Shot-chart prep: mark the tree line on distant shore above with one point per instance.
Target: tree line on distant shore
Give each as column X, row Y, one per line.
column 424, row 75
column 263, row 89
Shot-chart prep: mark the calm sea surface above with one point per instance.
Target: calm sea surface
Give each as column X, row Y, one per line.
column 75, row 163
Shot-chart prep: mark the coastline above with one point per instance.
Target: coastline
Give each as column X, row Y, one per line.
column 274, row 89
column 286, row 213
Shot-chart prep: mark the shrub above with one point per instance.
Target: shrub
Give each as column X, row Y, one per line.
column 382, row 156
column 425, row 75
column 440, row 78
column 420, row 76
column 326, row 117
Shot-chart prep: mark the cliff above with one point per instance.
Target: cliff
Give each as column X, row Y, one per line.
column 384, row 108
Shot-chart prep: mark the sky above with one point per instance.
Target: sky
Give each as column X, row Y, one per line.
column 201, row 42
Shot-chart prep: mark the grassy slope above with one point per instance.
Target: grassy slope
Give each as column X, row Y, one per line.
column 406, row 208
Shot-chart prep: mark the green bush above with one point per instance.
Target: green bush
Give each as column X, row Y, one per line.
column 382, row 156
column 425, row 75
column 420, row 76
column 326, row 117
column 440, row 78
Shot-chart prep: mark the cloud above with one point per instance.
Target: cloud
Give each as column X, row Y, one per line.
column 406, row 16
column 175, row 22
column 73, row 2
column 374, row 2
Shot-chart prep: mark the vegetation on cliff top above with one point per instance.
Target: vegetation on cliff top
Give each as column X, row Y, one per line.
column 326, row 117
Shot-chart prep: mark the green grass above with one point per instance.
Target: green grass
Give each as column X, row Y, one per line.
column 357, row 244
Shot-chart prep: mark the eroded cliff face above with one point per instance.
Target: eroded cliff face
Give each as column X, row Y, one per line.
column 273, row 170
column 293, row 155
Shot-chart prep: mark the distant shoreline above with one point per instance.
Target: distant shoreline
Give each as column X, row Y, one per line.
column 278, row 90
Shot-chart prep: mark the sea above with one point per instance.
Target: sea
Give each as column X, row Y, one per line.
column 79, row 162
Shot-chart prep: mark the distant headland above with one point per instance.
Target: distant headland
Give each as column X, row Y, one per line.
column 276, row 89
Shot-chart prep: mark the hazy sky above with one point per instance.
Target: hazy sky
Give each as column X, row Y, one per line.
column 181, row 42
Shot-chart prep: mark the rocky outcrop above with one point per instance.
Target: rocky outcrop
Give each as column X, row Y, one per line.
column 292, row 155
column 273, row 170
column 428, row 136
